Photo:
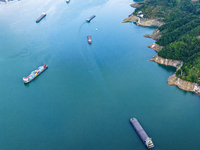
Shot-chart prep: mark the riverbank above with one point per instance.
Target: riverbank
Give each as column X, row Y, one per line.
column 143, row 21
column 155, row 47
column 167, row 62
column 184, row 85
column 172, row 80
column 135, row 5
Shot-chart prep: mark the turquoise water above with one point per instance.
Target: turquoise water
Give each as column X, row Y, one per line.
column 84, row 100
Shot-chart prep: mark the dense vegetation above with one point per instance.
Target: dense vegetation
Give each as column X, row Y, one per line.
column 180, row 33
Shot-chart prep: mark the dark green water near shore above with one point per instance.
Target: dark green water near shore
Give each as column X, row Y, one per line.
column 84, row 100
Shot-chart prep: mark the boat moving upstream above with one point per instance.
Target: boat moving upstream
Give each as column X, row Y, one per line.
column 89, row 39
column 41, row 17
column 89, row 19
column 142, row 134
column 34, row 74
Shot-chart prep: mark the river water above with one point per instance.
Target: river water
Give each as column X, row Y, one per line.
column 84, row 100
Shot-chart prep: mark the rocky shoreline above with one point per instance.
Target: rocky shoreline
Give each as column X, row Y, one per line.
column 184, row 85
column 155, row 47
column 172, row 80
column 143, row 22
column 156, row 35
column 167, row 62
column 135, row 5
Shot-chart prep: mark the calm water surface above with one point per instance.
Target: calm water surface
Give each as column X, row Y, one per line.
column 84, row 100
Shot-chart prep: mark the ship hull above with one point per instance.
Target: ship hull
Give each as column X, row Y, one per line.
column 89, row 39
column 40, row 18
column 29, row 79
column 140, row 131
column 89, row 19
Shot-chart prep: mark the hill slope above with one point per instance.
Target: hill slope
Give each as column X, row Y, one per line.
column 180, row 33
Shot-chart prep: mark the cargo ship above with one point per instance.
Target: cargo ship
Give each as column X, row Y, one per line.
column 34, row 74
column 89, row 39
column 89, row 19
column 142, row 134
column 41, row 17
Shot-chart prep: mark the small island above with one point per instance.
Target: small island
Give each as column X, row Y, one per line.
column 177, row 37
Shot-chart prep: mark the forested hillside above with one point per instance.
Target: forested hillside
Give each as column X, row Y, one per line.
column 180, row 33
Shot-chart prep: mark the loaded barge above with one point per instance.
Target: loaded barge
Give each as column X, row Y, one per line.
column 89, row 38
column 34, row 74
column 89, row 19
column 142, row 134
column 41, row 17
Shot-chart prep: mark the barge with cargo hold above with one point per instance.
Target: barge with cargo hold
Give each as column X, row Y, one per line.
column 34, row 74
column 142, row 134
column 41, row 17
column 89, row 39
column 89, row 19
